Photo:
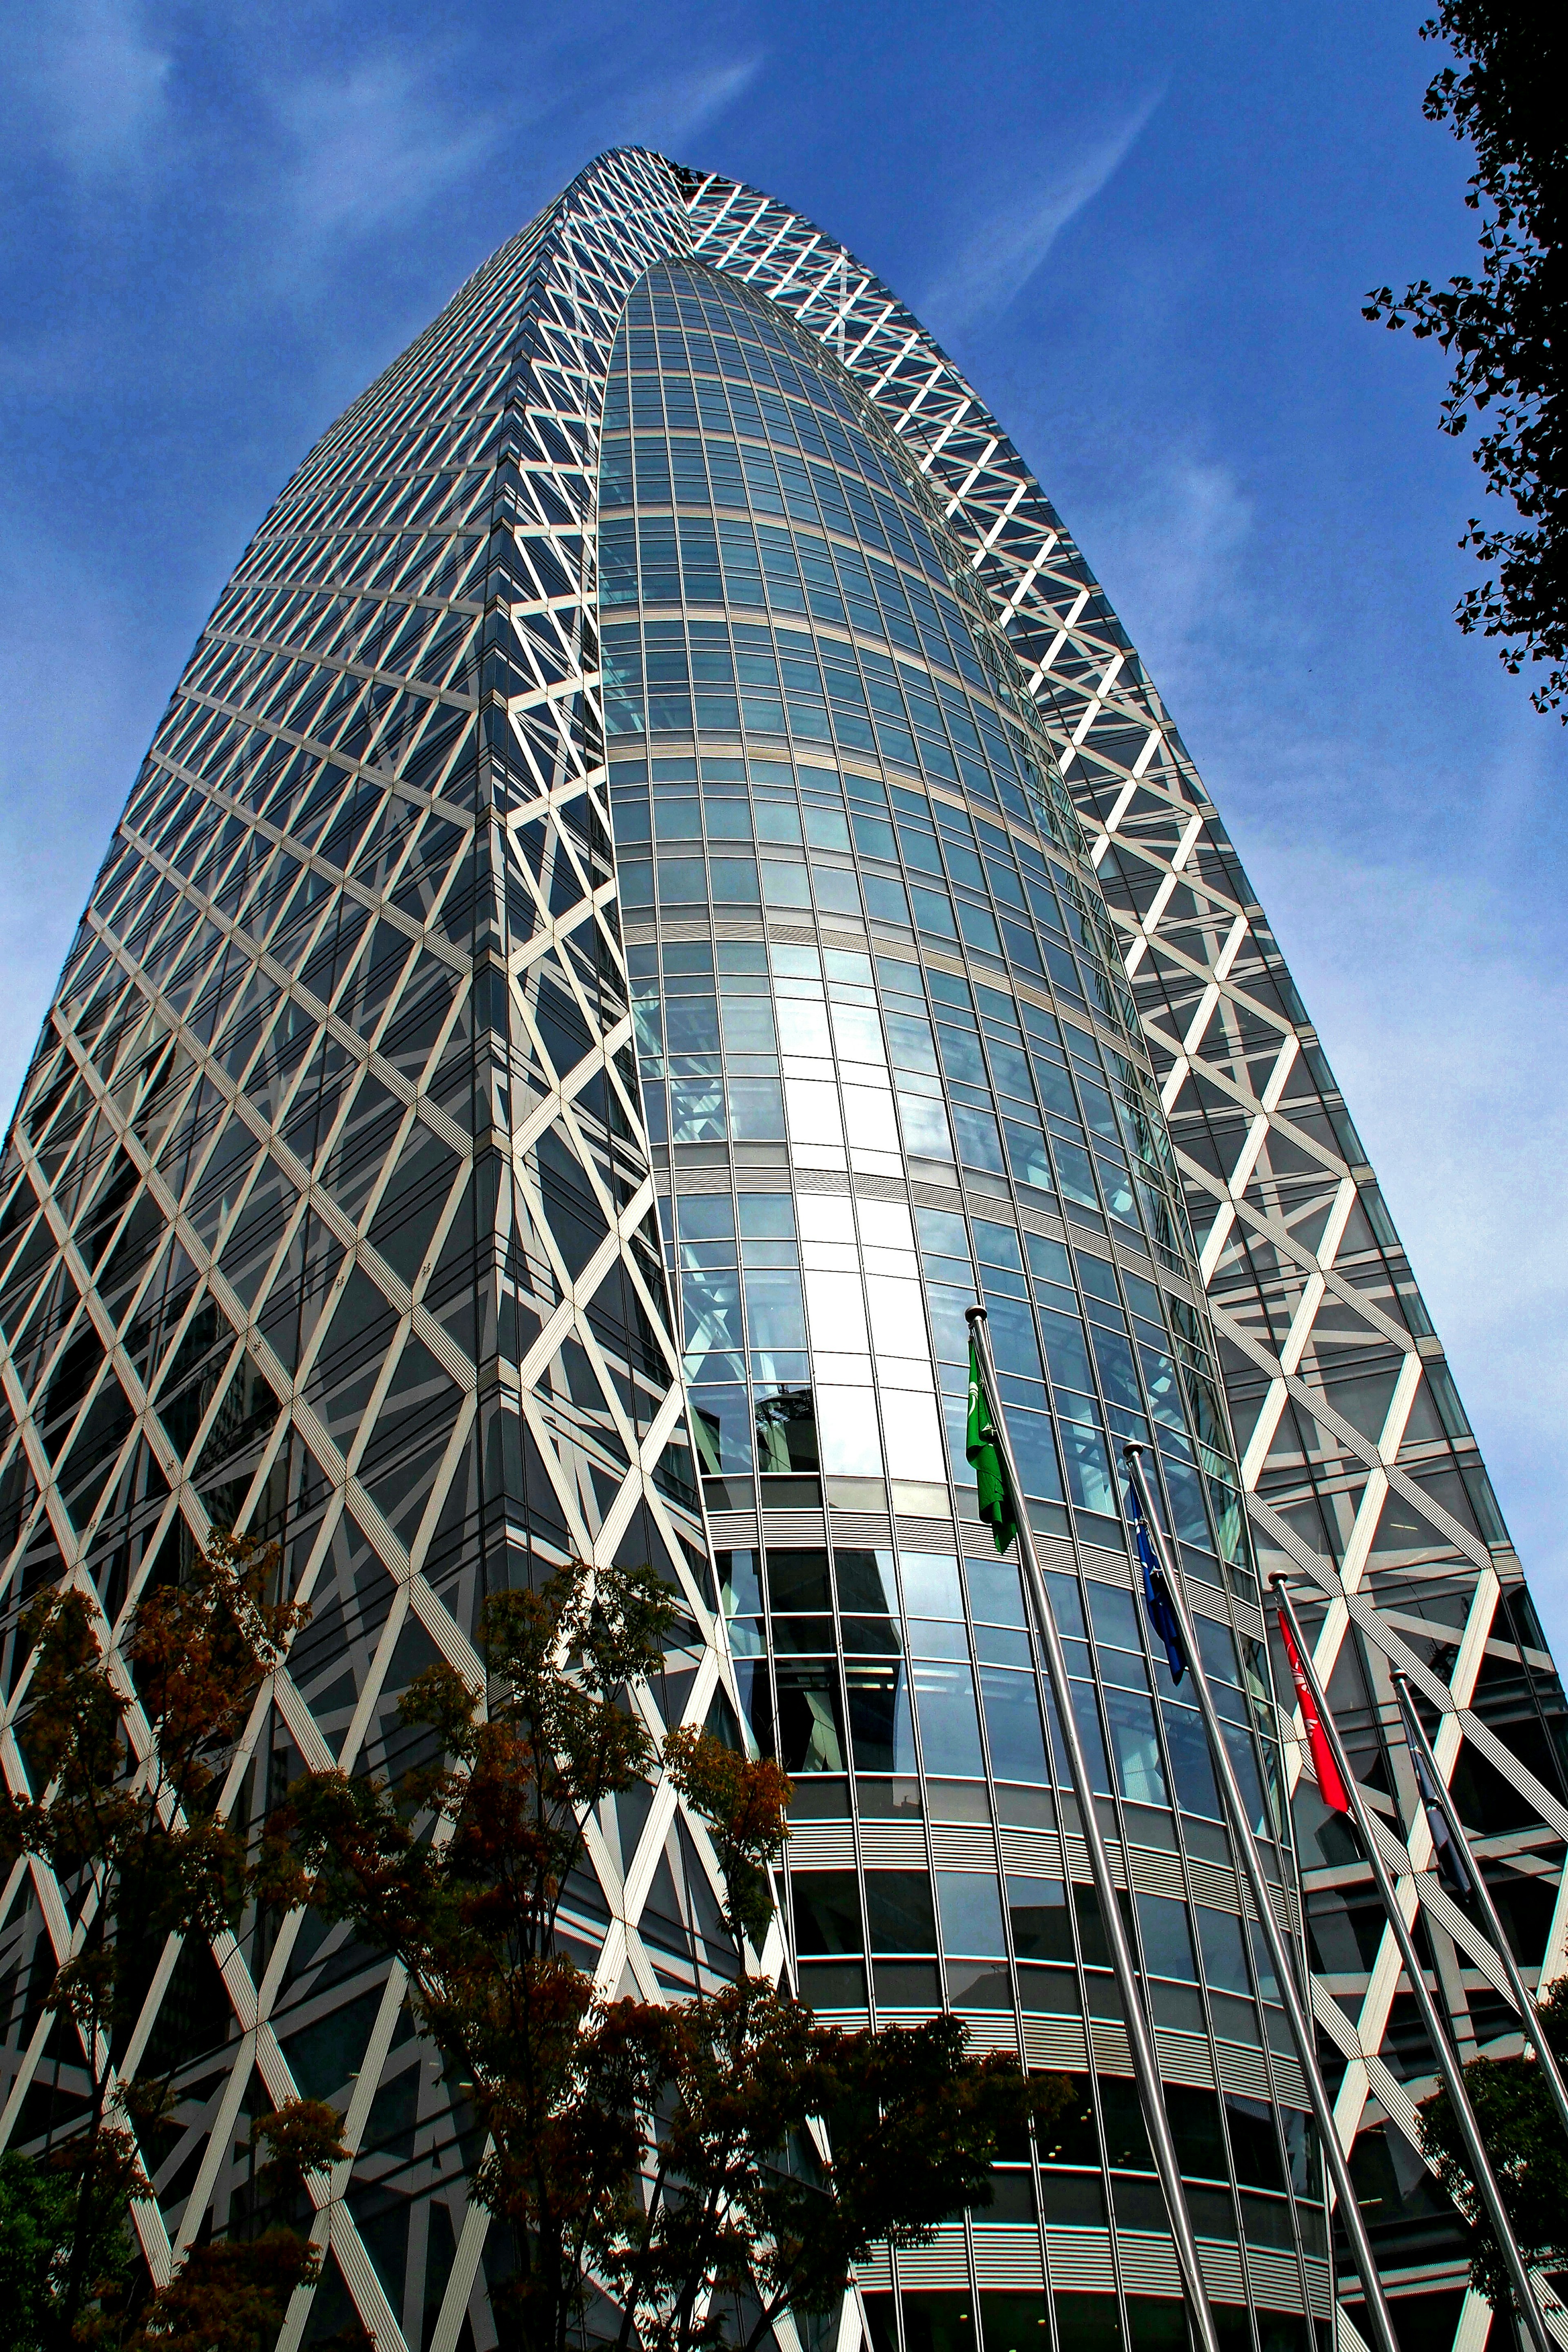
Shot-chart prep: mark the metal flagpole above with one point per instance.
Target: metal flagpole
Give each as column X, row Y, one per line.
column 1301, row 2028
column 1535, row 2033
column 1140, row 2036
column 1480, row 2169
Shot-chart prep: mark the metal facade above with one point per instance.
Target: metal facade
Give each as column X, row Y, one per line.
column 337, row 1208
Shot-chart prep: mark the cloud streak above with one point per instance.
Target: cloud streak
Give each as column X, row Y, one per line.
column 1003, row 251
column 665, row 114
column 373, row 145
column 91, row 85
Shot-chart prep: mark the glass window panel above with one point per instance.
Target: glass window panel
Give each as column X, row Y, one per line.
column 897, row 1317
column 979, row 928
column 858, row 1034
column 784, row 884
column 866, row 1583
column 1065, row 1350
column 734, row 880
column 803, row 1027
column 756, row 1110
column 765, row 1215
column 710, row 1311
column 931, row 1584
column 885, row 899
column 721, row 1428
column 1185, row 1490
column 1136, row 1746
column 995, row 1594
column 933, row 911
column 950, row 1726
column 837, row 1311
column 1086, row 1716
column 815, row 1115
column 747, row 1023
column 927, row 1134
column 969, row 1905
column 911, row 1044
column 836, row 889
column 1190, row 1766
column 1167, row 1936
column 797, row 1580
column 1224, row 1954
column 1027, row 1154
column 1035, row 1446
column 1042, row 1928
column 851, row 1447
column 979, row 1142
column 826, row 1906
column 869, row 1122
column 1118, row 1378
column 739, row 1582
column 776, row 1310
column 785, row 1421
column 1089, row 1481
column 899, row 1910
column 810, row 1718
column 683, row 881
column 1013, row 1724
column 911, row 1432
column 881, row 1719
column 1116, row 1616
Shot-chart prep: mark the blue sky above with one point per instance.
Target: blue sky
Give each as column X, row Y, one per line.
column 1145, row 230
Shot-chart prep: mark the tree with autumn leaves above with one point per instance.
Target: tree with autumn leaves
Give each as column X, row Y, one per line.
column 709, row 2162
column 695, row 2166
column 123, row 1749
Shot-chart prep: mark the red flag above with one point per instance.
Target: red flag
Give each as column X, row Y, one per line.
column 1331, row 1786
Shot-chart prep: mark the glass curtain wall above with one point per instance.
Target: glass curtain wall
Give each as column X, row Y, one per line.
column 890, row 1064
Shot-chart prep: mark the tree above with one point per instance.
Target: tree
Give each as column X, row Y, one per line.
column 123, row 1753
column 34, row 2220
column 1507, row 330
column 232, row 2293
column 1529, row 2157
column 676, row 2153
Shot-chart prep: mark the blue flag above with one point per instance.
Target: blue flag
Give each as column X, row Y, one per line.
column 1156, row 1597
column 1446, row 1854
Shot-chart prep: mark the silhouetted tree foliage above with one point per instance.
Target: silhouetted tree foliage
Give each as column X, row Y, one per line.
column 1507, row 329
column 711, row 2161
column 1529, row 2154
column 125, row 1752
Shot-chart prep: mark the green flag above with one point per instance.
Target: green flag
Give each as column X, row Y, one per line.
column 996, row 1504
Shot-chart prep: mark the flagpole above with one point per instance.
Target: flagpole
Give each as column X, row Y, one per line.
column 1302, row 2032
column 1535, row 2033
column 1140, row 2035
column 1480, row 2169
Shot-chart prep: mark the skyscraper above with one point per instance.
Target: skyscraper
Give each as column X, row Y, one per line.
column 662, row 880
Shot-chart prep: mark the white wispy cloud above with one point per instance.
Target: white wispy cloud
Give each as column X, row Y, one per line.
column 1428, row 992
column 665, row 111
column 1001, row 252
column 373, row 144
column 89, row 85
column 1171, row 547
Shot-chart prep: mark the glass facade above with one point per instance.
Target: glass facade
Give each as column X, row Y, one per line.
column 662, row 881
column 890, row 1066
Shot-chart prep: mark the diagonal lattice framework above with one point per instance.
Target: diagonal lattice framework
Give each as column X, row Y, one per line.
column 1361, row 1473
column 327, row 1213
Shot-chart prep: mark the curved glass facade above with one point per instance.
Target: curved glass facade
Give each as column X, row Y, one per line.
column 890, row 1067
